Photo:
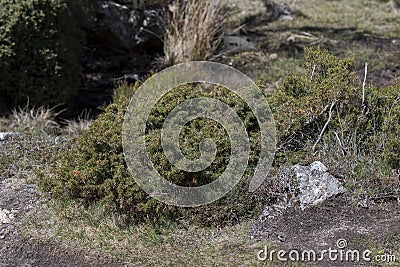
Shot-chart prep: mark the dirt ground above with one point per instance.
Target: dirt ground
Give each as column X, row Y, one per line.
column 373, row 226
column 18, row 249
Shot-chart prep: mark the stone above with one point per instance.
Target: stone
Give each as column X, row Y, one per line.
column 120, row 27
column 286, row 18
column 6, row 135
column 236, row 44
column 273, row 56
column 303, row 186
column 277, row 11
column 315, row 184
column 3, row 136
column 4, row 218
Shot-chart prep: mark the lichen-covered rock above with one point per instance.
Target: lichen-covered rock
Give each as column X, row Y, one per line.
column 303, row 186
column 314, row 184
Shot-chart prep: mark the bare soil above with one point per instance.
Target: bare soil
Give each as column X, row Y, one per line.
column 19, row 249
column 373, row 226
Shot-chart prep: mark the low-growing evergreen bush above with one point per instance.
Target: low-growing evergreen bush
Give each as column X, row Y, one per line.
column 304, row 101
column 94, row 170
column 319, row 114
column 384, row 122
column 39, row 52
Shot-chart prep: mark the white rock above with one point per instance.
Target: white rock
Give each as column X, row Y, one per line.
column 306, row 185
column 5, row 135
column 314, row 184
column 4, row 218
column 317, row 166
column 6, row 211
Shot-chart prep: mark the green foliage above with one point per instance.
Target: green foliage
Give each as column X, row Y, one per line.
column 302, row 105
column 94, row 169
column 320, row 114
column 39, row 52
column 321, row 110
column 384, row 122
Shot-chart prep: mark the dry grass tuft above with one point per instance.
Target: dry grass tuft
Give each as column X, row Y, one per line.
column 39, row 119
column 194, row 31
column 78, row 126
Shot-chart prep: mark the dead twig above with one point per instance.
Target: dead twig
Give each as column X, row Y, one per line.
column 340, row 143
column 364, row 83
column 325, row 126
column 312, row 73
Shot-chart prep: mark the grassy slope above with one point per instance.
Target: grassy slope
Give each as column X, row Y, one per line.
column 368, row 30
column 364, row 29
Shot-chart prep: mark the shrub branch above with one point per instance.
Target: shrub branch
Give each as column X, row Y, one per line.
column 325, row 126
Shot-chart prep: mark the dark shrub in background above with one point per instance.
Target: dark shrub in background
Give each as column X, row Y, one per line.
column 39, row 51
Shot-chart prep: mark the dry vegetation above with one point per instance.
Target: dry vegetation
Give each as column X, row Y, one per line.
column 34, row 119
column 194, row 30
column 77, row 126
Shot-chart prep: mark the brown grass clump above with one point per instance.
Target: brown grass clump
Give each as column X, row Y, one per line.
column 79, row 125
column 39, row 119
column 194, row 30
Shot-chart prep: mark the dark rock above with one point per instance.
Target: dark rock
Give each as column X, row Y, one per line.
column 123, row 39
column 120, row 27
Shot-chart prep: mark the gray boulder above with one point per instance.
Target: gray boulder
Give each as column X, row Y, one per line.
column 303, row 186
column 314, row 184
